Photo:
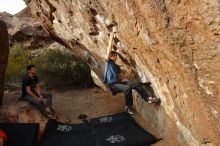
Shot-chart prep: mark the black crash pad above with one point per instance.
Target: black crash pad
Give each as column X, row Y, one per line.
column 59, row 134
column 20, row 134
column 120, row 130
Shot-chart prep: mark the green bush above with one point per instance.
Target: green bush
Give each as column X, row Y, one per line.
column 18, row 59
column 55, row 68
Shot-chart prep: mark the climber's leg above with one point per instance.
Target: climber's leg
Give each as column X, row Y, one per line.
column 135, row 84
column 123, row 88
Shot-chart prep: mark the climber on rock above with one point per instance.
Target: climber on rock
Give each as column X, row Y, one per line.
column 31, row 93
column 116, row 85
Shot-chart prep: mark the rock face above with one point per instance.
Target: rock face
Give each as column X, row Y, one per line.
column 23, row 27
column 173, row 44
column 23, row 112
column 4, row 50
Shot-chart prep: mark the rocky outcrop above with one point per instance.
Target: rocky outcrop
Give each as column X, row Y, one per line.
column 23, row 112
column 4, row 49
column 24, row 28
column 172, row 44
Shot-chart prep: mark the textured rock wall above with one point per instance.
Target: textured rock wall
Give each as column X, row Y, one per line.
column 174, row 44
column 3, row 55
column 24, row 28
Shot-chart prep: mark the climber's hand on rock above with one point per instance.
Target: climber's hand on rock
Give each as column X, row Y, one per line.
column 111, row 34
column 114, row 29
column 114, row 36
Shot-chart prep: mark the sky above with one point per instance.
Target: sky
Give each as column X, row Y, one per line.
column 12, row 6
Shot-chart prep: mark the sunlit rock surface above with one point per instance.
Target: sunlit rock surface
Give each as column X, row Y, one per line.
column 174, row 44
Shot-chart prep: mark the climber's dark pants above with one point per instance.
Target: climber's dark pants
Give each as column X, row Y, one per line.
column 41, row 106
column 126, row 88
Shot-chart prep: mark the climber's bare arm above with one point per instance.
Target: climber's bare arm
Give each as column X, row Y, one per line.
column 109, row 49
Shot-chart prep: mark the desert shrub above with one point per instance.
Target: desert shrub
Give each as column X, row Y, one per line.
column 58, row 68
column 18, row 59
column 55, row 68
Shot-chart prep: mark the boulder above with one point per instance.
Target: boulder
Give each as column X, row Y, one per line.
column 172, row 44
column 24, row 28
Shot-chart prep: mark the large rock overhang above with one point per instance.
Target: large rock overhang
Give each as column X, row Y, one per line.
column 168, row 43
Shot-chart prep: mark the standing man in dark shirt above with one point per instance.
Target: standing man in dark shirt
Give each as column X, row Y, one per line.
column 31, row 93
column 111, row 77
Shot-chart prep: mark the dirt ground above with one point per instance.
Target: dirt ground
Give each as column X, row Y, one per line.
column 93, row 102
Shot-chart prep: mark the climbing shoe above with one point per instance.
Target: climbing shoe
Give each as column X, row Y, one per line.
column 153, row 100
column 129, row 111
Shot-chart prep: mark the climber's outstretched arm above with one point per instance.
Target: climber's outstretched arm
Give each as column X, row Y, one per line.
column 109, row 49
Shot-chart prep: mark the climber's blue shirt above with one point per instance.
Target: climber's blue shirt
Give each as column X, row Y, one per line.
column 111, row 73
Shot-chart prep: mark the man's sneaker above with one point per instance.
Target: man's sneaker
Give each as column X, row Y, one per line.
column 129, row 111
column 153, row 100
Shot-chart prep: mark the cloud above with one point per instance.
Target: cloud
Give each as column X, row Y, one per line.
column 12, row 6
